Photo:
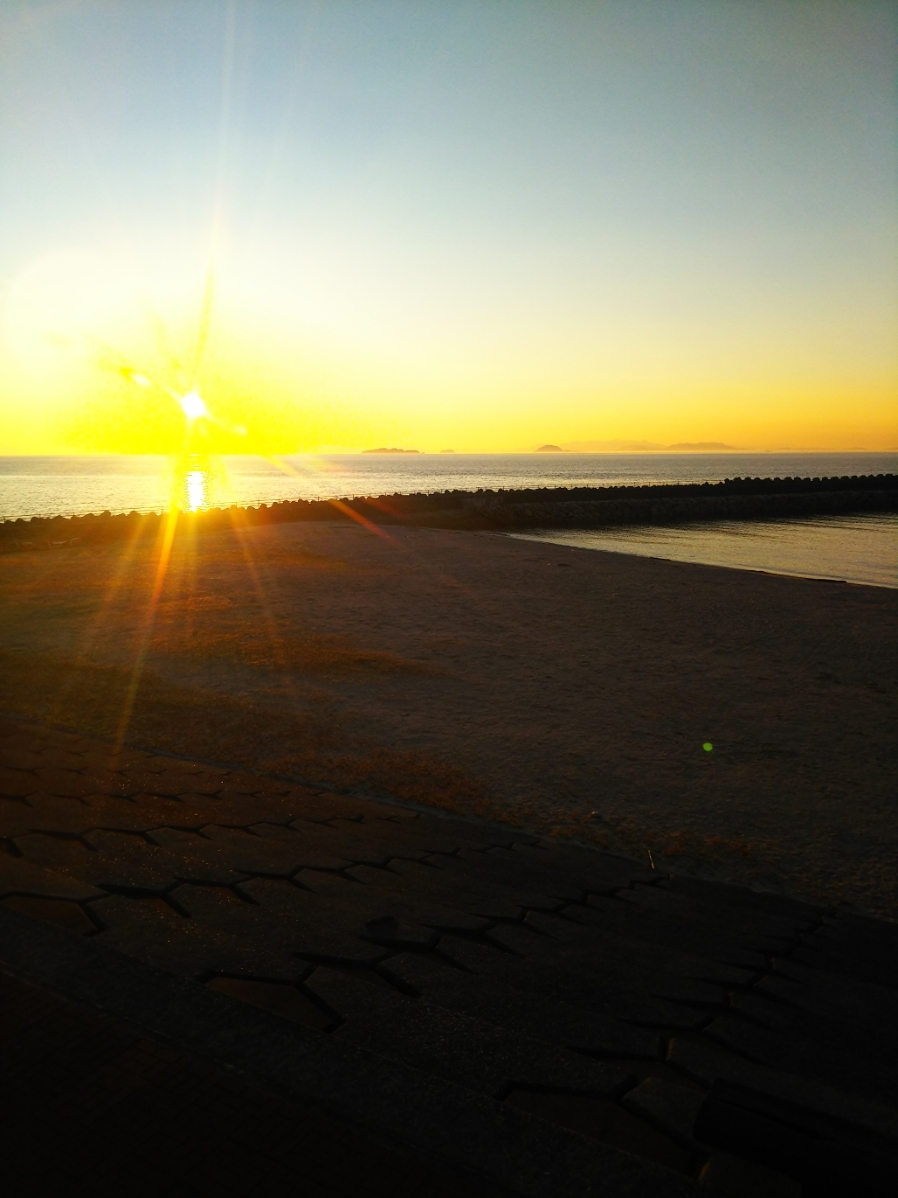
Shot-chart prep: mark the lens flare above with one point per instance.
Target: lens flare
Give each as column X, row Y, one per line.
column 140, row 379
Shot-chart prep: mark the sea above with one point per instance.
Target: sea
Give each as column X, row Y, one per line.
column 851, row 548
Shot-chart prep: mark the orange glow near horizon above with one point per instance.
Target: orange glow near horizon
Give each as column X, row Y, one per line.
column 91, row 367
column 464, row 228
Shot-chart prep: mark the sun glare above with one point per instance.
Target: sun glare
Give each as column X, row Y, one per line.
column 193, row 405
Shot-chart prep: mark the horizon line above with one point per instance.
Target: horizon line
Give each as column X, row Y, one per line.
column 341, row 452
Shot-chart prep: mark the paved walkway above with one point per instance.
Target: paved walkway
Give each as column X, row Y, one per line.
column 555, row 1020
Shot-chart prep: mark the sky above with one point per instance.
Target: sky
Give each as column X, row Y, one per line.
column 473, row 225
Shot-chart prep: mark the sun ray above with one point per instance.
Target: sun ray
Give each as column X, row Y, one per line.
column 205, row 325
column 346, row 510
column 275, row 638
column 165, row 541
column 111, row 590
column 343, row 507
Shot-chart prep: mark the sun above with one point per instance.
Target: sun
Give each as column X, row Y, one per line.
column 193, row 405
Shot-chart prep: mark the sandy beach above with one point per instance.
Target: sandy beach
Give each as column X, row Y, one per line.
column 568, row 691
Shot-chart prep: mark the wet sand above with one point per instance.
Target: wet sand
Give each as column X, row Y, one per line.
column 564, row 690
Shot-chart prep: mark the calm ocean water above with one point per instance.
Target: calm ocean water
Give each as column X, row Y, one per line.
column 49, row 486
column 861, row 550
column 850, row 548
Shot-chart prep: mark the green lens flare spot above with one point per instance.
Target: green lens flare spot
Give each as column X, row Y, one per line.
column 707, row 746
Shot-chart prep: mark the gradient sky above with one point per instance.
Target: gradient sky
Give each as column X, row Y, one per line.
column 474, row 225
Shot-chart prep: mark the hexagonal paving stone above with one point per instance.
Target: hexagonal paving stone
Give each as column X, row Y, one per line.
column 20, row 759
column 55, row 852
column 280, row 998
column 18, row 876
column 479, row 1054
column 16, row 819
column 606, row 1121
column 210, row 904
column 18, row 783
column 50, row 813
column 65, row 783
column 434, row 977
column 64, row 914
column 109, row 782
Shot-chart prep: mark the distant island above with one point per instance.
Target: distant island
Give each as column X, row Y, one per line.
column 551, row 449
column 644, row 446
column 447, row 451
column 392, row 450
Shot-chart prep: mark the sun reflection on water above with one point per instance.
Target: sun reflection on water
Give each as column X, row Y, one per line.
column 193, row 484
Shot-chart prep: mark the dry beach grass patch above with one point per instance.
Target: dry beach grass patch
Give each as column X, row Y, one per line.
column 193, row 722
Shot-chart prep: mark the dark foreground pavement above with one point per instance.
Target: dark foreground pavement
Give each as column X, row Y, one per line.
column 91, row 1107
column 219, row 982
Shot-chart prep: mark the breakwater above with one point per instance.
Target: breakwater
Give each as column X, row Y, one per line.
column 538, row 507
